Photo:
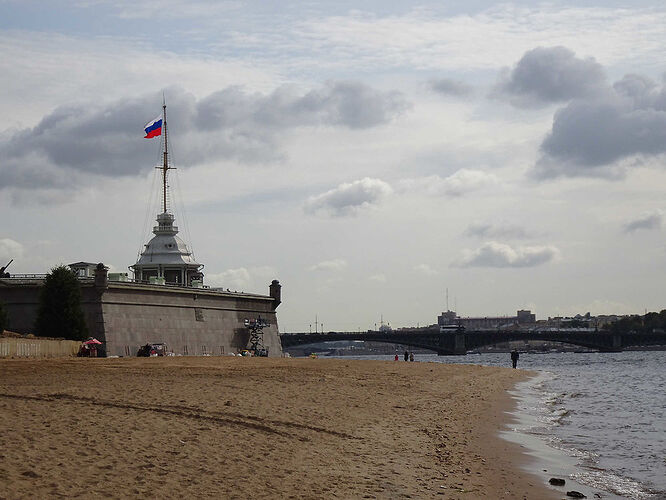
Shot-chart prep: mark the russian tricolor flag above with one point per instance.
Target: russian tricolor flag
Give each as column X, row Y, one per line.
column 153, row 128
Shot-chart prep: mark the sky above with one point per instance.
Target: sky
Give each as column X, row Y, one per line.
column 369, row 155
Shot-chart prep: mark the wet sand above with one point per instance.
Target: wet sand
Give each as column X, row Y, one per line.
column 226, row 427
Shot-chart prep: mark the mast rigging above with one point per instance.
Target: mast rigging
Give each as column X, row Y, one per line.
column 165, row 160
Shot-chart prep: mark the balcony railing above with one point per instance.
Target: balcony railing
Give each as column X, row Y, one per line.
column 165, row 228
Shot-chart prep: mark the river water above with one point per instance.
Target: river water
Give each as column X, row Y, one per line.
column 597, row 418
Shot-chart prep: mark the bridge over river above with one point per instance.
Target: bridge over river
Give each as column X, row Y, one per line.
column 460, row 341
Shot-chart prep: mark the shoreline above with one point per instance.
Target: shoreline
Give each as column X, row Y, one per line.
column 258, row 427
column 548, row 460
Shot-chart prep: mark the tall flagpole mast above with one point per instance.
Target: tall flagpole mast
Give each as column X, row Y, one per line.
column 165, row 165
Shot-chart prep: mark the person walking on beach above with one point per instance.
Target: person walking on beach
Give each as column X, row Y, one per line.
column 406, row 355
column 514, row 358
column 411, row 356
column 396, row 356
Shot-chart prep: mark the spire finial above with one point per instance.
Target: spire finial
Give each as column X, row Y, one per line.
column 165, row 164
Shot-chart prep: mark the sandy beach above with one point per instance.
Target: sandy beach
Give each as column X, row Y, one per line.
column 227, row 427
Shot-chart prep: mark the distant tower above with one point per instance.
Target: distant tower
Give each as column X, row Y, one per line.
column 166, row 258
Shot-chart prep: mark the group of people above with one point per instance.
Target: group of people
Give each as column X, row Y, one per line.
column 87, row 351
column 409, row 356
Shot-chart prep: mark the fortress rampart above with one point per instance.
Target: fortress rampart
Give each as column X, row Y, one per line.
column 126, row 315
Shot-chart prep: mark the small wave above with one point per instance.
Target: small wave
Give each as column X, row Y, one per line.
column 553, row 398
column 589, row 457
column 607, row 481
column 559, row 418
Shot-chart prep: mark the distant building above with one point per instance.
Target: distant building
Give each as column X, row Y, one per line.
column 522, row 317
column 525, row 317
column 84, row 269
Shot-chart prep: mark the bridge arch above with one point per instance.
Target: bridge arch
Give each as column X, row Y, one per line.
column 590, row 340
column 292, row 340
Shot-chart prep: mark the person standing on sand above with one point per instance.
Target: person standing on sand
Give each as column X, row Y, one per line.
column 514, row 358
column 411, row 356
column 406, row 355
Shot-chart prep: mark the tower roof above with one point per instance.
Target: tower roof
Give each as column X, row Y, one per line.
column 166, row 247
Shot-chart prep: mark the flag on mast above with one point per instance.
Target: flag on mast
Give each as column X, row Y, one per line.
column 153, row 128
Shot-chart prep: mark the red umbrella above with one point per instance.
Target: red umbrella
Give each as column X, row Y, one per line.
column 92, row 341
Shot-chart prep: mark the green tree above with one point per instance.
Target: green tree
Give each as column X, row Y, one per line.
column 60, row 313
column 4, row 318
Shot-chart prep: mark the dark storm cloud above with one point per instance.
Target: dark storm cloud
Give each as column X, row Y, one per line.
column 233, row 124
column 646, row 221
column 495, row 254
column 546, row 75
column 449, row 87
column 349, row 104
column 590, row 137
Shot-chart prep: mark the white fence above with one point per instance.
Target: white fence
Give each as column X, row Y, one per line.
column 37, row 348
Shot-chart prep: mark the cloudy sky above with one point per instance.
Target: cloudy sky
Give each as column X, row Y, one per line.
column 369, row 155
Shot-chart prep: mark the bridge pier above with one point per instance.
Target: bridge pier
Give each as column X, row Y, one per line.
column 615, row 344
column 459, row 344
column 451, row 343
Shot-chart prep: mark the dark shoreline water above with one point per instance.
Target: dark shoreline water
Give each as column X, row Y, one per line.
column 597, row 419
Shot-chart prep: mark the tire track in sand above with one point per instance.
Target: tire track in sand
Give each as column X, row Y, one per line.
column 229, row 418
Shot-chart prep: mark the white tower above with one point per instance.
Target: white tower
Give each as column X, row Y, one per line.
column 166, row 258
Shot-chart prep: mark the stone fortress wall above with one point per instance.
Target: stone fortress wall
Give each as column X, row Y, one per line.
column 126, row 315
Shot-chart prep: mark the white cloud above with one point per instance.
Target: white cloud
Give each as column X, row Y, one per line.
column 145, row 9
column 234, row 279
column 242, row 278
column 349, row 198
column 501, row 230
column 459, row 183
column 378, row 278
column 494, row 254
column 9, row 249
column 329, row 265
column 602, row 306
column 106, row 69
column 425, row 269
column 427, row 39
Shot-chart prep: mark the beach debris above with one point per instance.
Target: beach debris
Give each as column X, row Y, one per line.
column 575, row 494
column 556, row 481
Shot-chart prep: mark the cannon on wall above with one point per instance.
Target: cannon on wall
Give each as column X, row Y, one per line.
column 4, row 274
